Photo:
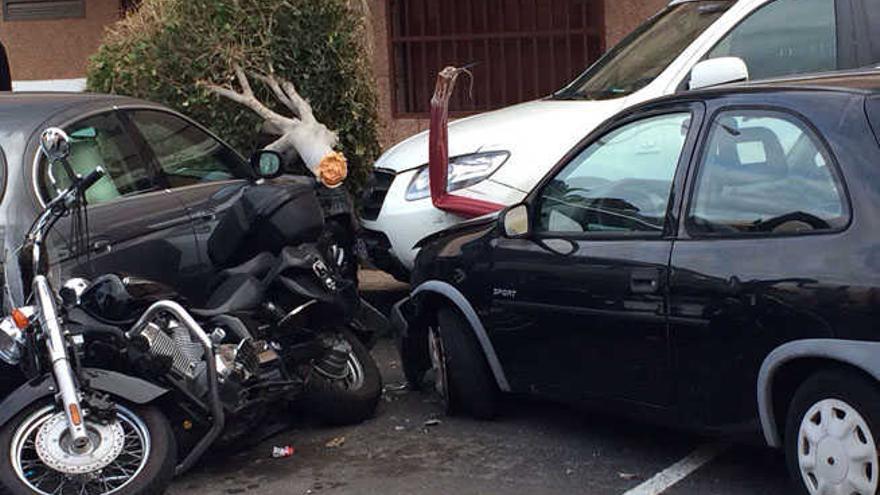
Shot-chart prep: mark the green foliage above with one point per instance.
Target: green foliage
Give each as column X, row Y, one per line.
column 162, row 51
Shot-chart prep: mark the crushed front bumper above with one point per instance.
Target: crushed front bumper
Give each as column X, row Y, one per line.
column 375, row 249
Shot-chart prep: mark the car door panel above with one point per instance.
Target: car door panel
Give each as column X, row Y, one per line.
column 766, row 216
column 592, row 323
column 134, row 226
column 200, row 171
column 575, row 326
column 207, row 204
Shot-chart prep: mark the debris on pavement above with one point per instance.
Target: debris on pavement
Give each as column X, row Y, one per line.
column 399, row 428
column 432, row 422
column 396, row 387
column 281, row 452
column 626, row 476
column 336, row 442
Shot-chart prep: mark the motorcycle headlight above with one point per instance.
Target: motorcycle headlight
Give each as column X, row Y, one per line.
column 11, row 341
column 464, row 171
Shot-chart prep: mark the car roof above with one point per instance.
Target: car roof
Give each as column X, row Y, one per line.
column 854, row 81
column 862, row 81
column 25, row 111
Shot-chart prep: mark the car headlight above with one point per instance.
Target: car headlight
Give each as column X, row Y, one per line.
column 464, row 171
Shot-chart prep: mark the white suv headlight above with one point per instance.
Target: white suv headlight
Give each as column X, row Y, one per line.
column 464, row 171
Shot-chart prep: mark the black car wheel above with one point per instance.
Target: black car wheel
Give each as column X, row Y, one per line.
column 831, row 435
column 414, row 357
column 462, row 376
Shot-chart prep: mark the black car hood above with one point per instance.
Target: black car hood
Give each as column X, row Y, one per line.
column 468, row 224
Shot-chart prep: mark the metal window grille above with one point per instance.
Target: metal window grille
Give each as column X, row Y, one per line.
column 525, row 49
column 22, row 10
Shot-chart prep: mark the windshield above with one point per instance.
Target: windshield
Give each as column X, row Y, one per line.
column 646, row 52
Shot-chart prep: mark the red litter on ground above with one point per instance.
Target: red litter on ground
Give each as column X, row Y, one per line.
column 280, row 452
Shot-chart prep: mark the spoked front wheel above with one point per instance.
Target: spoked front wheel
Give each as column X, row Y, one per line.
column 135, row 454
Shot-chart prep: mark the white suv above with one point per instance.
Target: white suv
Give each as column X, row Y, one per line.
column 500, row 155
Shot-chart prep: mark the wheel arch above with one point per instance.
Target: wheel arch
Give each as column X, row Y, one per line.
column 439, row 291
column 784, row 369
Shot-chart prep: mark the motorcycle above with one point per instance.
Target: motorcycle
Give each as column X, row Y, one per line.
column 126, row 387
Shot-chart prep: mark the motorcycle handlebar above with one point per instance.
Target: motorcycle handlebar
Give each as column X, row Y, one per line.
column 89, row 180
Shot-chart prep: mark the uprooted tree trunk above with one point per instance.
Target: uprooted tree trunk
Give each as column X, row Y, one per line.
column 301, row 134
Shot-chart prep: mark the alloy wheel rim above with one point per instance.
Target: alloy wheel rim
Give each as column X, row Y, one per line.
column 438, row 363
column 836, row 450
column 43, row 480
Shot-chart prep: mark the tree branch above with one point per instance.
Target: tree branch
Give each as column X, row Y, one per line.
column 269, row 80
column 247, row 98
column 305, row 109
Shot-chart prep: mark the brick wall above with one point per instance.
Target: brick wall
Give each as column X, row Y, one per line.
column 622, row 16
column 56, row 49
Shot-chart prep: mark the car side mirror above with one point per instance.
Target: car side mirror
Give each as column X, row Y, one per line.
column 716, row 71
column 515, row 221
column 266, row 164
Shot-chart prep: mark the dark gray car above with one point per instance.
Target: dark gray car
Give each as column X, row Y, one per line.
column 168, row 181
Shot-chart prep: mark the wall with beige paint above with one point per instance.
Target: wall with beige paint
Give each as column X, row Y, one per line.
column 56, row 49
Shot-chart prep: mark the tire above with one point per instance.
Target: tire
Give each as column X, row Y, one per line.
column 819, row 449
column 153, row 479
column 334, row 401
column 462, row 376
column 414, row 358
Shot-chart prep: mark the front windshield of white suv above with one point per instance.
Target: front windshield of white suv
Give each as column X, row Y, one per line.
column 646, row 52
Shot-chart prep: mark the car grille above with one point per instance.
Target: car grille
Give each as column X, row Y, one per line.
column 374, row 194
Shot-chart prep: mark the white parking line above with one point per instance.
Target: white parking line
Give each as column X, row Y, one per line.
column 664, row 480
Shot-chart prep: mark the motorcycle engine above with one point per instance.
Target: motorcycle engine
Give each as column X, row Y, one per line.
column 186, row 357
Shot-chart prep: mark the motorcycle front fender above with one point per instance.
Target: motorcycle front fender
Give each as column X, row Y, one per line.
column 114, row 383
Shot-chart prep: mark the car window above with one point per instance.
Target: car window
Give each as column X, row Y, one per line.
column 644, row 54
column 858, row 36
column 784, row 37
column 100, row 140
column 765, row 172
column 185, row 153
column 620, row 183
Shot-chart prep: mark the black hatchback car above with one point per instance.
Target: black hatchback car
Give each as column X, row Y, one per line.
column 709, row 260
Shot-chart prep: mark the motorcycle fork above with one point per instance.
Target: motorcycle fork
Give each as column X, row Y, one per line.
column 61, row 368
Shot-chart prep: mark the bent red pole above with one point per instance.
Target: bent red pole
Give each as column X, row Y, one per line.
column 438, row 158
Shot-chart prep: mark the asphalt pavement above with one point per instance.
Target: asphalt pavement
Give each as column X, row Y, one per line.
column 534, row 447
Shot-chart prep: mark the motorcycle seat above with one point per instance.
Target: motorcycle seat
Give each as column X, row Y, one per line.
column 240, row 292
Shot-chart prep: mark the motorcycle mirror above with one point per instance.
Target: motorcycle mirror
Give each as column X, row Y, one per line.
column 55, row 144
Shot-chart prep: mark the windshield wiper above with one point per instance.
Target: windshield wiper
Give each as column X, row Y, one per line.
column 592, row 95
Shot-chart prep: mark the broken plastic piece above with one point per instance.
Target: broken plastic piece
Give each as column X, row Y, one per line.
column 438, row 158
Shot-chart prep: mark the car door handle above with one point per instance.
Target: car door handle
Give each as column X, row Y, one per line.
column 205, row 216
column 645, row 282
column 102, row 246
